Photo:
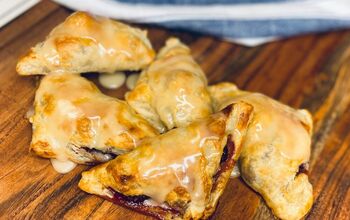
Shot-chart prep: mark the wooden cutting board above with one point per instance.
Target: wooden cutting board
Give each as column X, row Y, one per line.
column 311, row 71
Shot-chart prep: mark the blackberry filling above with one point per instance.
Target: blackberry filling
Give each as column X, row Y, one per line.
column 303, row 168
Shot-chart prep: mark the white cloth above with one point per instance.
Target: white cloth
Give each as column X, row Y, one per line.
column 10, row 9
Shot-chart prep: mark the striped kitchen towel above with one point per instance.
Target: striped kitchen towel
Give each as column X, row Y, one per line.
column 9, row 10
column 249, row 22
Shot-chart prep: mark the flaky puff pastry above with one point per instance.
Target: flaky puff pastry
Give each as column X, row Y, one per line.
column 179, row 174
column 275, row 150
column 74, row 121
column 172, row 92
column 84, row 43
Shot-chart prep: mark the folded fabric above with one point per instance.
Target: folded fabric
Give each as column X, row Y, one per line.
column 9, row 10
column 249, row 22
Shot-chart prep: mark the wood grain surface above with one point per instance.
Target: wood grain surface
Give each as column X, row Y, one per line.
column 311, row 71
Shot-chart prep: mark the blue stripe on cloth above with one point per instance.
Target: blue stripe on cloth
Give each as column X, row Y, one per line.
column 250, row 21
column 198, row 2
column 258, row 28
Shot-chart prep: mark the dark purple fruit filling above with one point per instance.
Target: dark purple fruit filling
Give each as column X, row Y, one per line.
column 138, row 204
column 303, row 168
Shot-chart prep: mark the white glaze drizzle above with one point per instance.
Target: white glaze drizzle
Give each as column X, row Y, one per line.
column 29, row 114
column 131, row 80
column 235, row 172
column 112, row 81
column 63, row 166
